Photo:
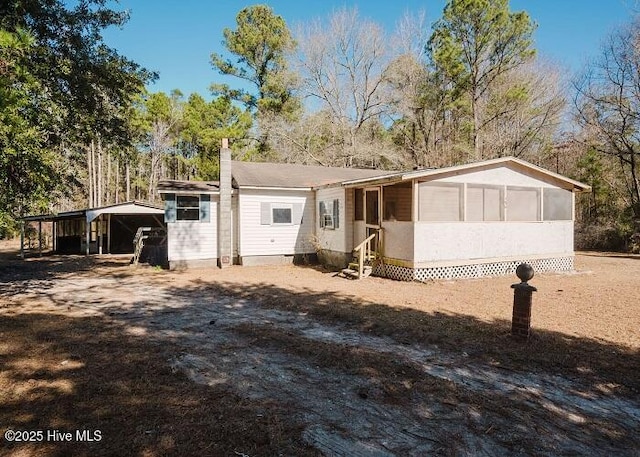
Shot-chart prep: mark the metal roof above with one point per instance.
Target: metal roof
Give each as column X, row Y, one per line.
column 131, row 207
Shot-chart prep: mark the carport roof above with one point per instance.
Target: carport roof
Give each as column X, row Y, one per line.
column 132, row 207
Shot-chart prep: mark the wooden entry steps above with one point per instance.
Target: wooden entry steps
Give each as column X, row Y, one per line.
column 353, row 273
column 364, row 256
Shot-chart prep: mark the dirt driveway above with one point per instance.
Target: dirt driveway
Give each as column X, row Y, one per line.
column 294, row 361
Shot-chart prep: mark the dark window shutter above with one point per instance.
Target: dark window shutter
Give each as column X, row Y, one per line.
column 336, row 213
column 205, row 208
column 265, row 213
column 322, row 212
column 170, row 208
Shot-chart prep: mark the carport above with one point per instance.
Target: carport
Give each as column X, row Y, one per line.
column 105, row 230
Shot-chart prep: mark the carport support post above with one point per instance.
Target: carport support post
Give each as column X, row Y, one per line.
column 87, row 225
column 40, row 238
column 109, row 233
column 99, row 237
column 522, row 301
column 22, row 239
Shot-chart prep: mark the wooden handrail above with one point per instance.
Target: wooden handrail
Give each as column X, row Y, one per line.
column 364, row 250
column 358, row 247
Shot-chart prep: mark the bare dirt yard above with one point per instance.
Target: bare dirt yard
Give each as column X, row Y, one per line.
column 294, row 361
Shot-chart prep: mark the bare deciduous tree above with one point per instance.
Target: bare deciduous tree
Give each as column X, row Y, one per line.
column 343, row 63
column 523, row 111
column 608, row 103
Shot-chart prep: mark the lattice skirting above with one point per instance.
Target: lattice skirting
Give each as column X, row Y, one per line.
column 471, row 271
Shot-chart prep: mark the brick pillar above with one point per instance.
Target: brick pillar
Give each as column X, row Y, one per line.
column 225, row 252
column 522, row 301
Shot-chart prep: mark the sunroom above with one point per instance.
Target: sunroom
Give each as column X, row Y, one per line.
column 472, row 220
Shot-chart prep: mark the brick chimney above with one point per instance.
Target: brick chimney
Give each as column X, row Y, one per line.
column 225, row 251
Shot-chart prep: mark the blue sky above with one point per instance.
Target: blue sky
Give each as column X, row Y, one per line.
column 177, row 40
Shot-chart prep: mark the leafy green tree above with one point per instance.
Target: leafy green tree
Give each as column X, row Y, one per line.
column 205, row 124
column 64, row 88
column 475, row 42
column 28, row 171
column 261, row 43
column 76, row 70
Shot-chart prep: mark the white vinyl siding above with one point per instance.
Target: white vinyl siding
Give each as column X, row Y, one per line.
column 259, row 235
column 340, row 238
column 194, row 240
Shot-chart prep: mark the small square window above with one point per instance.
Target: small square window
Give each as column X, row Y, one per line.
column 282, row 215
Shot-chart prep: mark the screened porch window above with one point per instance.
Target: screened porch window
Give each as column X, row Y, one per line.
column 557, row 204
column 358, row 205
column 523, row 204
column 440, row 202
column 396, row 202
column 484, row 203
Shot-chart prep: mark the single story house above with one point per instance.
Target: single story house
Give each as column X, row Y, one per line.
column 104, row 230
column 471, row 220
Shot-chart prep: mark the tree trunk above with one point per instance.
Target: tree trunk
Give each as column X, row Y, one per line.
column 128, row 179
column 477, row 152
column 108, row 200
column 90, row 177
column 99, row 174
column 117, row 190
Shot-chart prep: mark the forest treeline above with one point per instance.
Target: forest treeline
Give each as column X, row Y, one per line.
column 78, row 128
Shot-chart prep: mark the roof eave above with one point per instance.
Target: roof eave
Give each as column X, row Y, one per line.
column 460, row 169
column 188, row 191
column 242, row 187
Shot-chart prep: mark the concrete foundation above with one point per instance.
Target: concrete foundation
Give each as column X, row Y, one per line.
column 186, row 264
column 334, row 260
column 295, row 259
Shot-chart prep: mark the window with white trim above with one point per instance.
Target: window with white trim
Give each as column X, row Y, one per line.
column 329, row 214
